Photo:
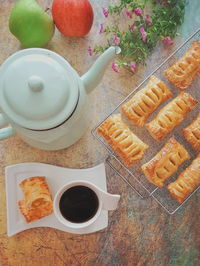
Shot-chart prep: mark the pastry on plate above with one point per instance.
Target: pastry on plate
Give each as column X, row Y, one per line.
column 37, row 201
column 165, row 162
column 171, row 115
column 187, row 181
column 192, row 133
column 146, row 101
column 185, row 70
column 126, row 144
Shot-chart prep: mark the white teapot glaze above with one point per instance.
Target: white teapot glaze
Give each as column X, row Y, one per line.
column 43, row 99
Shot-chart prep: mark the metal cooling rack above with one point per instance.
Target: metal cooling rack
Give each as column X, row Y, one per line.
column 133, row 175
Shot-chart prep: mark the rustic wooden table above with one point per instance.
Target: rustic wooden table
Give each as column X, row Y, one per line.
column 140, row 232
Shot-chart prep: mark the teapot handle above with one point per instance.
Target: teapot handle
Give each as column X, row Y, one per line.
column 6, row 131
column 110, row 201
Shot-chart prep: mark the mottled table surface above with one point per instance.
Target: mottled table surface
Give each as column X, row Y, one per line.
column 140, row 232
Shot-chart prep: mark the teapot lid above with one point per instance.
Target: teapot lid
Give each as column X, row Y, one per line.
column 38, row 88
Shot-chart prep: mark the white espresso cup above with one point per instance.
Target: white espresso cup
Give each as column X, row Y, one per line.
column 105, row 200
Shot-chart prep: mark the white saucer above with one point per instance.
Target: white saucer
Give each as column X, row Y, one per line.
column 56, row 178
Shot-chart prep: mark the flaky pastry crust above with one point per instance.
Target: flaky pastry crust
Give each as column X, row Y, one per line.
column 38, row 200
column 187, row 181
column 146, row 101
column 185, row 70
column 126, row 144
column 192, row 133
column 165, row 163
column 171, row 115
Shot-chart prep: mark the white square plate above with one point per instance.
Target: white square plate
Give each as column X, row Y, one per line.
column 56, row 177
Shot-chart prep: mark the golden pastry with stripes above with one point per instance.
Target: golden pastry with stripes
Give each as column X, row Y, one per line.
column 126, row 144
column 187, row 181
column 171, row 115
column 146, row 101
column 185, row 70
column 165, row 162
column 38, row 200
column 192, row 133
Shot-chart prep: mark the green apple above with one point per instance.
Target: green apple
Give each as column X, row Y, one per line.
column 31, row 25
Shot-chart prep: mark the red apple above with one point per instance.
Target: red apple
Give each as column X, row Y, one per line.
column 72, row 17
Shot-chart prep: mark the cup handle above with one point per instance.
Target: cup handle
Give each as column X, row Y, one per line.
column 7, row 131
column 110, row 201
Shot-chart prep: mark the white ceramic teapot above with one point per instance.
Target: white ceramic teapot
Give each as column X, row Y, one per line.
column 43, row 99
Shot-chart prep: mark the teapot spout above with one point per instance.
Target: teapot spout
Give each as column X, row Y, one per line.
column 94, row 75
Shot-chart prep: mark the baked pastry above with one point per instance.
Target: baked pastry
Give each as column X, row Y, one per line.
column 171, row 115
column 126, row 144
column 38, row 200
column 187, row 181
column 165, row 163
column 185, row 70
column 192, row 133
column 146, row 101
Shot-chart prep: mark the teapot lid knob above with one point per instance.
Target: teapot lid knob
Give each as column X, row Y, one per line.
column 35, row 83
column 39, row 90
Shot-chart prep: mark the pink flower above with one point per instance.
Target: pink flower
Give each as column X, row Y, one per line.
column 138, row 12
column 101, row 29
column 90, row 51
column 143, row 33
column 115, row 67
column 148, row 20
column 105, row 11
column 133, row 66
column 132, row 27
column 162, row 2
column 167, row 41
column 129, row 14
column 116, row 40
column 165, row 3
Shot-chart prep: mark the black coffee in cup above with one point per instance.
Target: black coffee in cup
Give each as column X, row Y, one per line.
column 78, row 204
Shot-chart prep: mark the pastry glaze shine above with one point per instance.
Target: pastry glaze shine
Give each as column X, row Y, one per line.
column 146, row 101
column 186, row 69
column 38, row 200
column 126, row 144
column 187, row 181
column 171, row 115
column 165, row 163
column 192, row 133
